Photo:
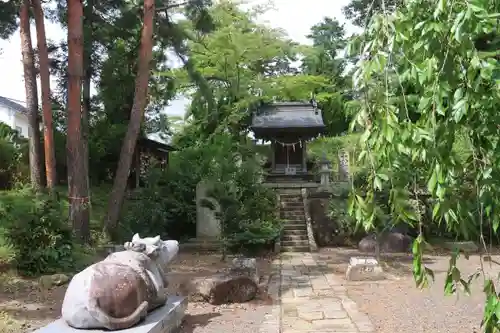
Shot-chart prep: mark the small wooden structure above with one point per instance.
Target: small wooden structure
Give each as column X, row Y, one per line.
column 149, row 147
column 288, row 125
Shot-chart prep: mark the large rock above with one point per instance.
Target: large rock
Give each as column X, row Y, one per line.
column 238, row 285
column 390, row 242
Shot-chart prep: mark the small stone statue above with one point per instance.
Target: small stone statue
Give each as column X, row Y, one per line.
column 119, row 291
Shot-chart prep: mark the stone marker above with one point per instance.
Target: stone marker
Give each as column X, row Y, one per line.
column 364, row 269
column 166, row 319
column 207, row 223
column 246, row 266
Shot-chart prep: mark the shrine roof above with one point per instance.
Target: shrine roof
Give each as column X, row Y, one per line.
column 156, row 141
column 291, row 115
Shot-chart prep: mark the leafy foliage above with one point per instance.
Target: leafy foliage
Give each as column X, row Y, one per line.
column 361, row 11
column 166, row 205
column 35, row 227
column 241, row 62
column 416, row 105
column 9, row 12
column 246, row 208
column 13, row 157
column 324, row 59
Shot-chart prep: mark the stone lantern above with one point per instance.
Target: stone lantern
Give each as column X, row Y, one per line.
column 325, row 172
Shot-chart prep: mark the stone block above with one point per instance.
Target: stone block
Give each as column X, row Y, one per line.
column 337, row 325
column 166, row 319
column 466, row 246
column 334, row 314
column 364, row 269
column 246, row 266
column 310, row 316
column 303, row 292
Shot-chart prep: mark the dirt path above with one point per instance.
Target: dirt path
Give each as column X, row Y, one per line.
column 24, row 307
column 397, row 306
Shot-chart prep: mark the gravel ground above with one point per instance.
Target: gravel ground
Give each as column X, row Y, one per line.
column 24, row 307
column 396, row 305
column 206, row 318
column 246, row 318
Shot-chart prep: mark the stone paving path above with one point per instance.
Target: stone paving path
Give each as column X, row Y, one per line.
column 311, row 299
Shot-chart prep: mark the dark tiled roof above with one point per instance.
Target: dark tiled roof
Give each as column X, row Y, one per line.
column 288, row 115
column 157, row 141
column 12, row 105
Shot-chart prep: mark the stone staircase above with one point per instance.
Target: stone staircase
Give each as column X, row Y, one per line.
column 294, row 237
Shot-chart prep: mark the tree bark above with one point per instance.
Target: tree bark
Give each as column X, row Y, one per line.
column 78, row 192
column 48, row 130
column 31, row 97
column 134, row 126
column 87, row 78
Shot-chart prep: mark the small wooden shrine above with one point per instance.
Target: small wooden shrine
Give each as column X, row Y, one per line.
column 150, row 149
column 288, row 126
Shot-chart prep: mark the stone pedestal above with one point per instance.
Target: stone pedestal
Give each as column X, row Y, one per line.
column 364, row 269
column 166, row 319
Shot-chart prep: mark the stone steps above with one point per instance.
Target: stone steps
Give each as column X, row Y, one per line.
column 294, row 209
column 292, row 217
column 292, row 232
column 288, row 243
column 291, row 203
column 294, row 226
column 295, row 248
column 294, row 237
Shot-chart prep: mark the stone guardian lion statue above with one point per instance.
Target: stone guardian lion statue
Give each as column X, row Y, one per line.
column 119, row 291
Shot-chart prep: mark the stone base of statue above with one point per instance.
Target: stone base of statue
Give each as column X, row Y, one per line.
column 166, row 319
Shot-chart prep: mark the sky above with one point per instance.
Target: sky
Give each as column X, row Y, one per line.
column 296, row 17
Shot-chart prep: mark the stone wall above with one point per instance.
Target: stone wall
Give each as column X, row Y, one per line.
column 330, row 230
column 324, row 229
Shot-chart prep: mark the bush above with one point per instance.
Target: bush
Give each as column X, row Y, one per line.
column 329, row 147
column 167, row 204
column 247, row 208
column 13, row 158
column 35, row 227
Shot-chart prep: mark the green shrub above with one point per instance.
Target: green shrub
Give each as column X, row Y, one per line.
column 14, row 166
column 166, row 204
column 7, row 253
column 36, row 228
column 329, row 147
column 247, row 208
column 8, row 159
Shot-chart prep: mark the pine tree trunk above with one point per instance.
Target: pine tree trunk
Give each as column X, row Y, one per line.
column 87, row 78
column 134, row 126
column 48, row 131
column 31, row 97
column 78, row 192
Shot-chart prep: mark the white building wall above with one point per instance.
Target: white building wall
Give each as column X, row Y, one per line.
column 15, row 120
column 6, row 116
column 21, row 124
